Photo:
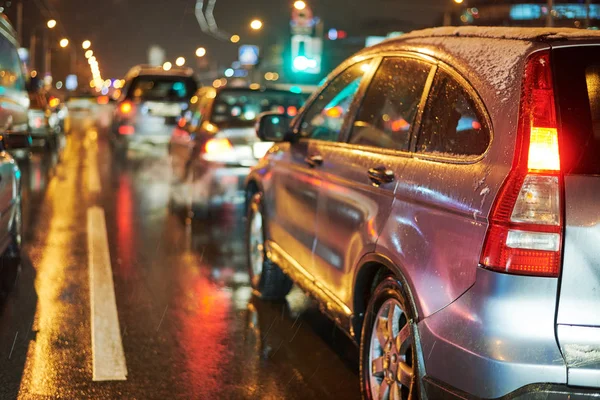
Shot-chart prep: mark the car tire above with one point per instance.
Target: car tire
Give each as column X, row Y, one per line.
column 267, row 279
column 388, row 356
column 10, row 260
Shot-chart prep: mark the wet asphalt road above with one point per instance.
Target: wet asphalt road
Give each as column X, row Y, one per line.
column 189, row 324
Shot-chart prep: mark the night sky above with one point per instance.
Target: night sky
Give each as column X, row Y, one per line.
column 121, row 31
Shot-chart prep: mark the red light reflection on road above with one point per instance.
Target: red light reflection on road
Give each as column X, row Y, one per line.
column 204, row 331
column 124, row 227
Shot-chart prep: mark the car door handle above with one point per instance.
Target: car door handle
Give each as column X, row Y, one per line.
column 314, row 161
column 380, row 175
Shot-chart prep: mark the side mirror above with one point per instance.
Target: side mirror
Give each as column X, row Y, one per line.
column 272, row 127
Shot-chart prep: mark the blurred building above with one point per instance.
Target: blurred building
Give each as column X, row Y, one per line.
column 565, row 13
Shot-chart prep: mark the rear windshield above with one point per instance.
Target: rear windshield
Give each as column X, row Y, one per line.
column 240, row 107
column 577, row 81
column 36, row 101
column 165, row 88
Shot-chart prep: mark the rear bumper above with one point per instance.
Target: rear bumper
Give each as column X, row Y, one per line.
column 496, row 339
column 215, row 183
column 542, row 391
column 18, row 140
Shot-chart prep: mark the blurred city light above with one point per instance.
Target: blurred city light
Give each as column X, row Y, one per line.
column 200, row 52
column 180, row 61
column 256, row 24
column 458, row 1
column 167, row 66
column 299, row 5
column 89, row 53
column 229, row 72
column 235, row 38
column 33, row 73
column 59, row 85
column 86, row 44
column 64, row 42
column 51, row 23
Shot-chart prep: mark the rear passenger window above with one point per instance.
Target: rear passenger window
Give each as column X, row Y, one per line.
column 390, row 106
column 452, row 125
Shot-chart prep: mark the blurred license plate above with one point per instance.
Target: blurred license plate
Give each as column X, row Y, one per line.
column 165, row 110
column 261, row 148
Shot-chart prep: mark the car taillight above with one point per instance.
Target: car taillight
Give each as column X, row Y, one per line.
column 126, row 130
column 525, row 230
column 217, row 145
column 126, row 108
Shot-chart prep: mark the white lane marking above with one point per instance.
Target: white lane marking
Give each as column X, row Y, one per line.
column 107, row 346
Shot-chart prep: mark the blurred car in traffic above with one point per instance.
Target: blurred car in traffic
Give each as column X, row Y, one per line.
column 215, row 144
column 13, row 91
column 81, row 105
column 43, row 121
column 151, row 102
column 438, row 197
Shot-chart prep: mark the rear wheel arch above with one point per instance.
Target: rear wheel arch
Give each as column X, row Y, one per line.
column 374, row 268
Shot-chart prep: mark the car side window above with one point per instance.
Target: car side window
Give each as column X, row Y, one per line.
column 388, row 111
column 326, row 115
column 453, row 125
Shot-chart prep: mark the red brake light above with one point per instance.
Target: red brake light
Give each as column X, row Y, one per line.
column 525, row 231
column 126, row 130
column 102, row 100
column 126, row 107
column 292, row 111
column 217, row 145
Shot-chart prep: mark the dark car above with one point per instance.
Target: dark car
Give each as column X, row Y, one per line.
column 439, row 198
column 43, row 121
column 215, row 144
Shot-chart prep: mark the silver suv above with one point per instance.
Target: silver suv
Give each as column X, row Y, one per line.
column 150, row 105
column 439, row 198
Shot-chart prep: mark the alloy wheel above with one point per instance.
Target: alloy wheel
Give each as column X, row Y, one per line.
column 391, row 354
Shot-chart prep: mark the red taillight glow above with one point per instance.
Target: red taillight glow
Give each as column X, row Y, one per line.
column 126, row 130
column 126, row 107
column 102, row 100
column 292, row 111
column 216, row 145
column 525, row 231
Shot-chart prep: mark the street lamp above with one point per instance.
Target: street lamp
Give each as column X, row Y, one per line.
column 256, row 24
column 86, row 44
column 180, row 61
column 301, row 5
column 167, row 66
column 235, row 38
column 51, row 23
column 64, row 42
column 200, row 52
